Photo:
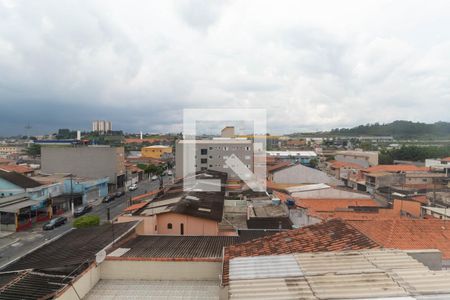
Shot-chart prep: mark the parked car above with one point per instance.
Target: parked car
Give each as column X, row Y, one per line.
column 154, row 177
column 133, row 187
column 119, row 194
column 109, row 198
column 82, row 210
column 53, row 223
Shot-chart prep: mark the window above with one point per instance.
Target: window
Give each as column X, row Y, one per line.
column 169, row 226
column 203, row 160
column 181, row 229
column 247, row 148
column 203, row 151
column 156, row 227
column 210, row 156
column 210, row 166
column 210, row 148
column 203, row 168
column 225, row 148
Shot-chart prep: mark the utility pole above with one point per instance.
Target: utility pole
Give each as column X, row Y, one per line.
column 71, row 194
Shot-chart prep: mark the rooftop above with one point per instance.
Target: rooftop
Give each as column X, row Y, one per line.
column 19, row 179
column 197, row 201
column 374, row 274
column 334, row 235
column 343, row 164
column 154, row 289
column 439, row 210
column 407, row 233
column 395, row 168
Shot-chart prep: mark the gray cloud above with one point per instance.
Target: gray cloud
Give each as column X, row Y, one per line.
column 65, row 63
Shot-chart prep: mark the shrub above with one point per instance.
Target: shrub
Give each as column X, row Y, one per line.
column 86, row 221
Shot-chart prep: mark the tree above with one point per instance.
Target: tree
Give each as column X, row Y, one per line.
column 33, row 150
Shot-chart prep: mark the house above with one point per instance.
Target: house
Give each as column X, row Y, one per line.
column 12, row 183
column 341, row 170
column 442, row 213
column 156, row 151
column 22, row 169
column 176, row 211
column 298, row 174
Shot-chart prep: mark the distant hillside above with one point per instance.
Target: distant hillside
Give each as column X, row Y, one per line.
column 398, row 129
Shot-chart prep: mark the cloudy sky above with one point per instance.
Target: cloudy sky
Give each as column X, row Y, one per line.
column 312, row 64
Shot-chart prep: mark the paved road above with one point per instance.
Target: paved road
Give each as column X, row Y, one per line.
column 20, row 243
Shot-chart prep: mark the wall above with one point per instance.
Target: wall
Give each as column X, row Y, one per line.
column 160, row 270
column 216, row 155
column 9, row 189
column 148, row 223
column 155, row 152
column 82, row 286
column 91, row 162
column 299, row 174
column 192, row 225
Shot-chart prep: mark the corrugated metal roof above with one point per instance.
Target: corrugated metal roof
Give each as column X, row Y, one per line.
column 369, row 274
column 264, row 267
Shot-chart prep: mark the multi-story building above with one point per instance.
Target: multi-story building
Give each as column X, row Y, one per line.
column 7, row 150
column 101, row 126
column 85, row 161
column 363, row 158
column 212, row 154
column 156, row 151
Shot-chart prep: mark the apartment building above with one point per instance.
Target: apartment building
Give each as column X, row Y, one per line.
column 101, row 126
column 212, row 154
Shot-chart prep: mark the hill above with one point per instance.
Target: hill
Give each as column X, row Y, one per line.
column 397, row 129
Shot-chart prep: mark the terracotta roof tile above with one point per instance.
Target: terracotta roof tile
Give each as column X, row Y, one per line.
column 408, row 234
column 343, row 164
column 334, row 235
column 16, row 168
column 395, row 168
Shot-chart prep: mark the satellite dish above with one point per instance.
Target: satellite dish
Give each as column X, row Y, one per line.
column 100, row 256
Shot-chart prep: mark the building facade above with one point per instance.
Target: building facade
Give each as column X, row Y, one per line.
column 101, row 126
column 86, row 161
column 212, row 154
column 156, row 151
column 363, row 158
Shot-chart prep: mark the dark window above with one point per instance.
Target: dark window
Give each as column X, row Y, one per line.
column 169, row 226
column 203, row 169
column 156, row 227
column 210, row 148
column 203, row 151
column 182, row 229
column 210, row 166
column 204, row 160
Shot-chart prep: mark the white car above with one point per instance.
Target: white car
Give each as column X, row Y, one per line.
column 154, row 177
column 133, row 187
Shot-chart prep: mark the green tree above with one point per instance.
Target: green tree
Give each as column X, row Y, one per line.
column 33, row 150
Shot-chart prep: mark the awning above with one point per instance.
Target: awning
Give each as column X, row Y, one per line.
column 15, row 207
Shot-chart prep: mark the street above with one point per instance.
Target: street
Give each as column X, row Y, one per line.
column 18, row 244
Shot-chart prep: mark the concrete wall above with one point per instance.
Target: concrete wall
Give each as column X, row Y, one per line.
column 299, row 174
column 192, row 225
column 364, row 158
column 160, row 270
column 91, row 162
column 82, row 286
